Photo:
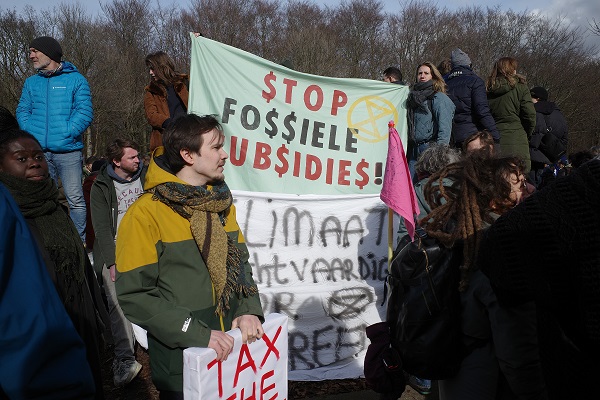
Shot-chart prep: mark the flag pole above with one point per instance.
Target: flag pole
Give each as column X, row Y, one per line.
column 391, row 124
column 390, row 236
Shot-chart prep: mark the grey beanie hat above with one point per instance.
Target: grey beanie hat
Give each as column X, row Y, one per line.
column 459, row 57
column 49, row 46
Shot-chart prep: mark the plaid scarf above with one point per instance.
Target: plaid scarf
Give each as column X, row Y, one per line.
column 223, row 259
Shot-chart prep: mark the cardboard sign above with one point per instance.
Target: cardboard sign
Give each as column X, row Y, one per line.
column 252, row 371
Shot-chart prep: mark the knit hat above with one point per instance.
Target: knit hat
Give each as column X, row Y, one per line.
column 49, row 46
column 539, row 93
column 459, row 57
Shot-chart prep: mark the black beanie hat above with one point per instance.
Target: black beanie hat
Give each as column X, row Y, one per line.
column 49, row 46
column 539, row 93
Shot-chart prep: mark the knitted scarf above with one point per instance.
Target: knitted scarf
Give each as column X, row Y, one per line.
column 417, row 98
column 223, row 259
column 39, row 201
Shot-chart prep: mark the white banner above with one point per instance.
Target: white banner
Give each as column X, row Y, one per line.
column 322, row 261
column 252, row 371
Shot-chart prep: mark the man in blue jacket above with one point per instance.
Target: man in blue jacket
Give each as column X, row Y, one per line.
column 56, row 108
column 467, row 91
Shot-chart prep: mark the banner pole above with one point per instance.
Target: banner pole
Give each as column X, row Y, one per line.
column 390, row 236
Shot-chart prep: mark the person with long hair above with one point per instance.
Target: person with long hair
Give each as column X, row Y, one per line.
column 165, row 97
column 429, row 112
column 500, row 349
column 24, row 172
column 512, row 109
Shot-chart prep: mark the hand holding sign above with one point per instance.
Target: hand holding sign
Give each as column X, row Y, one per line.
column 222, row 343
column 253, row 371
column 249, row 326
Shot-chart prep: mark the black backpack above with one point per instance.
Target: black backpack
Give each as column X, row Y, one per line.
column 424, row 309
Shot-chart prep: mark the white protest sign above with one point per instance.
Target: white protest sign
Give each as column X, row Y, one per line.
column 258, row 370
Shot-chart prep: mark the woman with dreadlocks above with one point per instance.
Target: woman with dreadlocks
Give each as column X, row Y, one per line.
column 24, row 172
column 498, row 363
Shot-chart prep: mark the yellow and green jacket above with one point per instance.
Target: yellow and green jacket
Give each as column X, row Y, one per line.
column 163, row 284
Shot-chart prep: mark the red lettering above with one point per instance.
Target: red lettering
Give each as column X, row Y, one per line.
column 261, row 157
column 240, row 367
column 270, row 346
column 307, row 94
column 339, row 100
column 233, row 158
column 344, row 173
column 310, row 161
column 296, row 171
column 329, row 173
column 289, row 83
column 252, row 396
column 264, row 389
column 232, row 397
column 219, row 374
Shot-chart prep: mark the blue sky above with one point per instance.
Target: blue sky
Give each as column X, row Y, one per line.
column 575, row 12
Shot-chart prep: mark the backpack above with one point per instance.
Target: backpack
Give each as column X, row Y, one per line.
column 424, row 308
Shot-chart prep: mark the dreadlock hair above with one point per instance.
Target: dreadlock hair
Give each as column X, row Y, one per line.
column 480, row 187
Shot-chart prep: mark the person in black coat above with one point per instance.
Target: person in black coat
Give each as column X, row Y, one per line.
column 549, row 119
column 467, row 91
column 547, row 250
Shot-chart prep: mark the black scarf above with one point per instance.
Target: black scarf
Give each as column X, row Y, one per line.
column 417, row 98
column 39, row 201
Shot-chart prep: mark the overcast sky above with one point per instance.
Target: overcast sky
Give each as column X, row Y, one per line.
column 576, row 12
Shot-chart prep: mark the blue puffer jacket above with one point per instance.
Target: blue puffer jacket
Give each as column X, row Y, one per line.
column 443, row 111
column 472, row 114
column 56, row 109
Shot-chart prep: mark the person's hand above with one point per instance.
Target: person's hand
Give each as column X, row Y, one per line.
column 222, row 343
column 113, row 269
column 250, row 327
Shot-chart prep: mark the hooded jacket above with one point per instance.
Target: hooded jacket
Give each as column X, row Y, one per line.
column 472, row 113
column 163, row 284
column 56, row 109
column 157, row 107
column 513, row 111
column 105, row 212
column 548, row 119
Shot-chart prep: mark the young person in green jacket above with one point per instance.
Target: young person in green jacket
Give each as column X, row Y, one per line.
column 182, row 263
column 118, row 184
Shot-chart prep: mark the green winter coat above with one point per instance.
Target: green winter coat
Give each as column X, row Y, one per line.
column 513, row 111
column 163, row 284
column 104, row 208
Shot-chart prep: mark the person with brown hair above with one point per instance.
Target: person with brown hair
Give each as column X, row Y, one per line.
column 493, row 337
column 429, row 113
column 118, row 184
column 479, row 141
column 512, row 109
column 165, row 97
column 182, row 261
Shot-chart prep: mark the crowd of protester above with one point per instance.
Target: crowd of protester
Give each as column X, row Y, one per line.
column 489, row 155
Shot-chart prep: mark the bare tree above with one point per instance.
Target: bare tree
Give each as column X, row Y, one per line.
column 353, row 39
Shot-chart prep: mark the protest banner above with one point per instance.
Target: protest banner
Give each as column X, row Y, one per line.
column 252, row 371
column 306, row 161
